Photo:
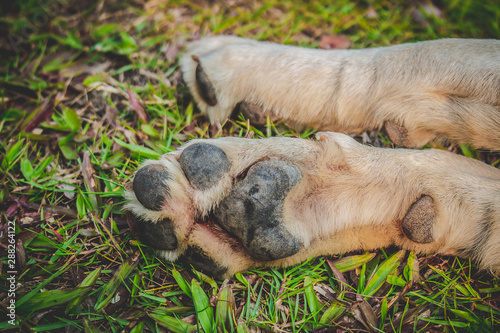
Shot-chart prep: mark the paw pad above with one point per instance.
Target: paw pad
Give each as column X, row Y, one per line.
column 204, row 164
column 149, row 186
column 253, row 211
column 159, row 235
column 419, row 220
column 199, row 260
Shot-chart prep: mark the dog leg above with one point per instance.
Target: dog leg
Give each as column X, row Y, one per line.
column 230, row 204
column 444, row 88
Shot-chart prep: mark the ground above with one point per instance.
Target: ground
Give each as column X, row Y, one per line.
column 88, row 89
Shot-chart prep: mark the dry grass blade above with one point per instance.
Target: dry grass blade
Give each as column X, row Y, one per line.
column 365, row 314
column 242, row 327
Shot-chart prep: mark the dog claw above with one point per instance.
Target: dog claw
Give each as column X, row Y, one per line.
column 205, row 87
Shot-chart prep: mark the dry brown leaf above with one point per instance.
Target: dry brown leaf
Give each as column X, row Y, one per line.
column 137, row 105
column 43, row 114
column 330, row 42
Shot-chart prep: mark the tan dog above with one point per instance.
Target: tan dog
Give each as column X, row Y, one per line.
column 230, row 204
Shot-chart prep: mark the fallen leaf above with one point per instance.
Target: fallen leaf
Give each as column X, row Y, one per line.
column 368, row 316
column 172, row 52
column 43, row 114
column 329, row 42
column 137, row 105
column 424, row 11
column 371, row 13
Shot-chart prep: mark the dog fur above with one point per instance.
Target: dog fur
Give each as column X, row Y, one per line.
column 446, row 88
column 347, row 196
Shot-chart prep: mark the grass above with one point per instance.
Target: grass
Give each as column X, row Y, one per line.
column 88, row 89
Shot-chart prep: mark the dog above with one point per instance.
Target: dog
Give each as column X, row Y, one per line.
column 230, row 204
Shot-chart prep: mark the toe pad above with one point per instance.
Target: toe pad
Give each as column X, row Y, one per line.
column 200, row 261
column 159, row 235
column 149, row 186
column 204, row 164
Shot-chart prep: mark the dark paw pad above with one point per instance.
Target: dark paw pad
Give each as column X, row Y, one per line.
column 200, row 261
column 253, row 210
column 159, row 235
column 251, row 111
column 397, row 133
column 205, row 87
column 204, row 164
column 419, row 219
column 149, row 186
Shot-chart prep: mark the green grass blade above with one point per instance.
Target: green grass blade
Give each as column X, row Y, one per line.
column 29, row 295
column 335, row 310
column 383, row 312
column 411, row 270
column 89, row 327
column 352, row 262
column 225, row 308
column 26, row 168
column 311, row 298
column 118, row 278
column 204, row 311
column 173, row 324
column 142, row 151
column 139, row 328
column 89, row 281
column 181, row 282
column 52, row 298
column 380, row 276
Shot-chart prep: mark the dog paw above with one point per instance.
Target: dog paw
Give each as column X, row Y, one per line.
column 230, row 204
column 414, row 91
column 216, row 203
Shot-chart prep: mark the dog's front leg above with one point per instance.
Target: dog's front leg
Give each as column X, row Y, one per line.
column 443, row 88
column 230, row 204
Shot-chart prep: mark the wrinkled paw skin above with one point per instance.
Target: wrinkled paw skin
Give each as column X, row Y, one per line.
column 229, row 204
